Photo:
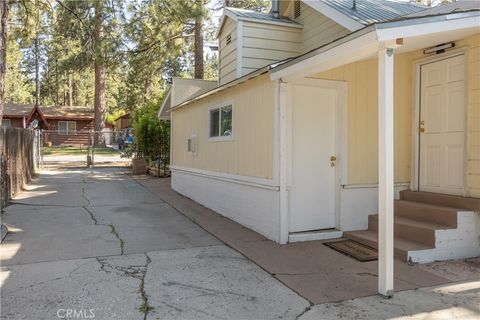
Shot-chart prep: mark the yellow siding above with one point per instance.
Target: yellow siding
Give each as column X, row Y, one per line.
column 473, row 113
column 361, row 78
column 264, row 44
column 250, row 153
column 228, row 53
column 362, row 118
column 317, row 28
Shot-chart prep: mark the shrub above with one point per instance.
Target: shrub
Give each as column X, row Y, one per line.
column 151, row 136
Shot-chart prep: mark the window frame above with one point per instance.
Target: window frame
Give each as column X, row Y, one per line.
column 219, row 106
column 9, row 123
column 68, row 132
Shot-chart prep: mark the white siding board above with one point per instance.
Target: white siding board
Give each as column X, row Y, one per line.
column 256, row 63
column 272, row 44
column 228, row 52
column 261, row 33
column 231, row 66
column 271, row 54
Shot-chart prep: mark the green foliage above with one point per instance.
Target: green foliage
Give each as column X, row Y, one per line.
column 18, row 88
column 151, row 135
column 144, row 43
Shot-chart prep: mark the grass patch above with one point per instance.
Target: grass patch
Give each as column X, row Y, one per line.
column 145, row 308
column 77, row 150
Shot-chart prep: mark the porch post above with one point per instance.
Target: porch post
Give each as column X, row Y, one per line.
column 385, row 172
column 282, row 106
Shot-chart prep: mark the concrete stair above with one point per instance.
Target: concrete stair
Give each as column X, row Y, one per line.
column 428, row 227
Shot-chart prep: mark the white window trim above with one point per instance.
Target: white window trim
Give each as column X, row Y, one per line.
column 67, row 124
column 219, row 106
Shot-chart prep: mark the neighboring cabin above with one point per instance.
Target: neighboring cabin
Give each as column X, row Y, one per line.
column 123, row 122
column 298, row 133
column 63, row 124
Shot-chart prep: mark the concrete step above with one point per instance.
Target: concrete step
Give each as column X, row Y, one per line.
column 434, row 214
column 465, row 203
column 402, row 246
column 410, row 230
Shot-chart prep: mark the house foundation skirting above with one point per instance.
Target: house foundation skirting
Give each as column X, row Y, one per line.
column 253, row 206
column 359, row 201
column 258, row 207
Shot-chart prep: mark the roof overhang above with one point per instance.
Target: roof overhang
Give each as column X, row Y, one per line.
column 166, row 104
column 71, row 118
column 225, row 86
column 335, row 15
column 14, row 116
column 417, row 33
column 42, row 116
column 234, row 17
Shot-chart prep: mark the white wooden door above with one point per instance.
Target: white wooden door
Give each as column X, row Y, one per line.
column 312, row 194
column 442, row 126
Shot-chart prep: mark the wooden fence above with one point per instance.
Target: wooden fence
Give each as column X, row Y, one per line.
column 19, row 158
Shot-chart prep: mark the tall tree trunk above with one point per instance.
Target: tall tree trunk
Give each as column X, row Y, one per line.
column 199, row 44
column 3, row 50
column 99, row 100
column 37, row 72
column 70, row 89
column 57, row 90
column 146, row 87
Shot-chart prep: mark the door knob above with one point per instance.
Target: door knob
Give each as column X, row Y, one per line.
column 421, row 127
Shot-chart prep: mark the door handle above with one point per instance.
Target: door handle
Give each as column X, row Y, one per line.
column 421, row 127
column 333, row 158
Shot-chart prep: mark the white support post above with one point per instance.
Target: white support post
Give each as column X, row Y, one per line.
column 385, row 172
column 282, row 106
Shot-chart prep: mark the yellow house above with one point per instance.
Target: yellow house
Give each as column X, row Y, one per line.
column 328, row 112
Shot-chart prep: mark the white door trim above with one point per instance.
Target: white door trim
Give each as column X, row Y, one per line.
column 414, row 183
column 341, row 126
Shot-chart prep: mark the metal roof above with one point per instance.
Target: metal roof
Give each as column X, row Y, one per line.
column 267, row 17
column 454, row 7
column 373, row 11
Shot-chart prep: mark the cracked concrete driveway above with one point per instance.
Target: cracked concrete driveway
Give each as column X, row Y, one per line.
column 86, row 243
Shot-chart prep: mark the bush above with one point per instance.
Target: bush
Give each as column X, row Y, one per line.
column 151, row 136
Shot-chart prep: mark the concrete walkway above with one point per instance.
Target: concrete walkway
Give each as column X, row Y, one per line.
column 97, row 244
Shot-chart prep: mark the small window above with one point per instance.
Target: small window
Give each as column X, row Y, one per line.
column 229, row 39
column 296, row 9
column 67, row 127
column 6, row 123
column 192, row 145
column 221, row 122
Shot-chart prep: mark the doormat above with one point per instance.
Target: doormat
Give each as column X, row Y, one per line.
column 354, row 249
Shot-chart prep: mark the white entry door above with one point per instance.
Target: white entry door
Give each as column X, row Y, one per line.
column 312, row 194
column 442, row 126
